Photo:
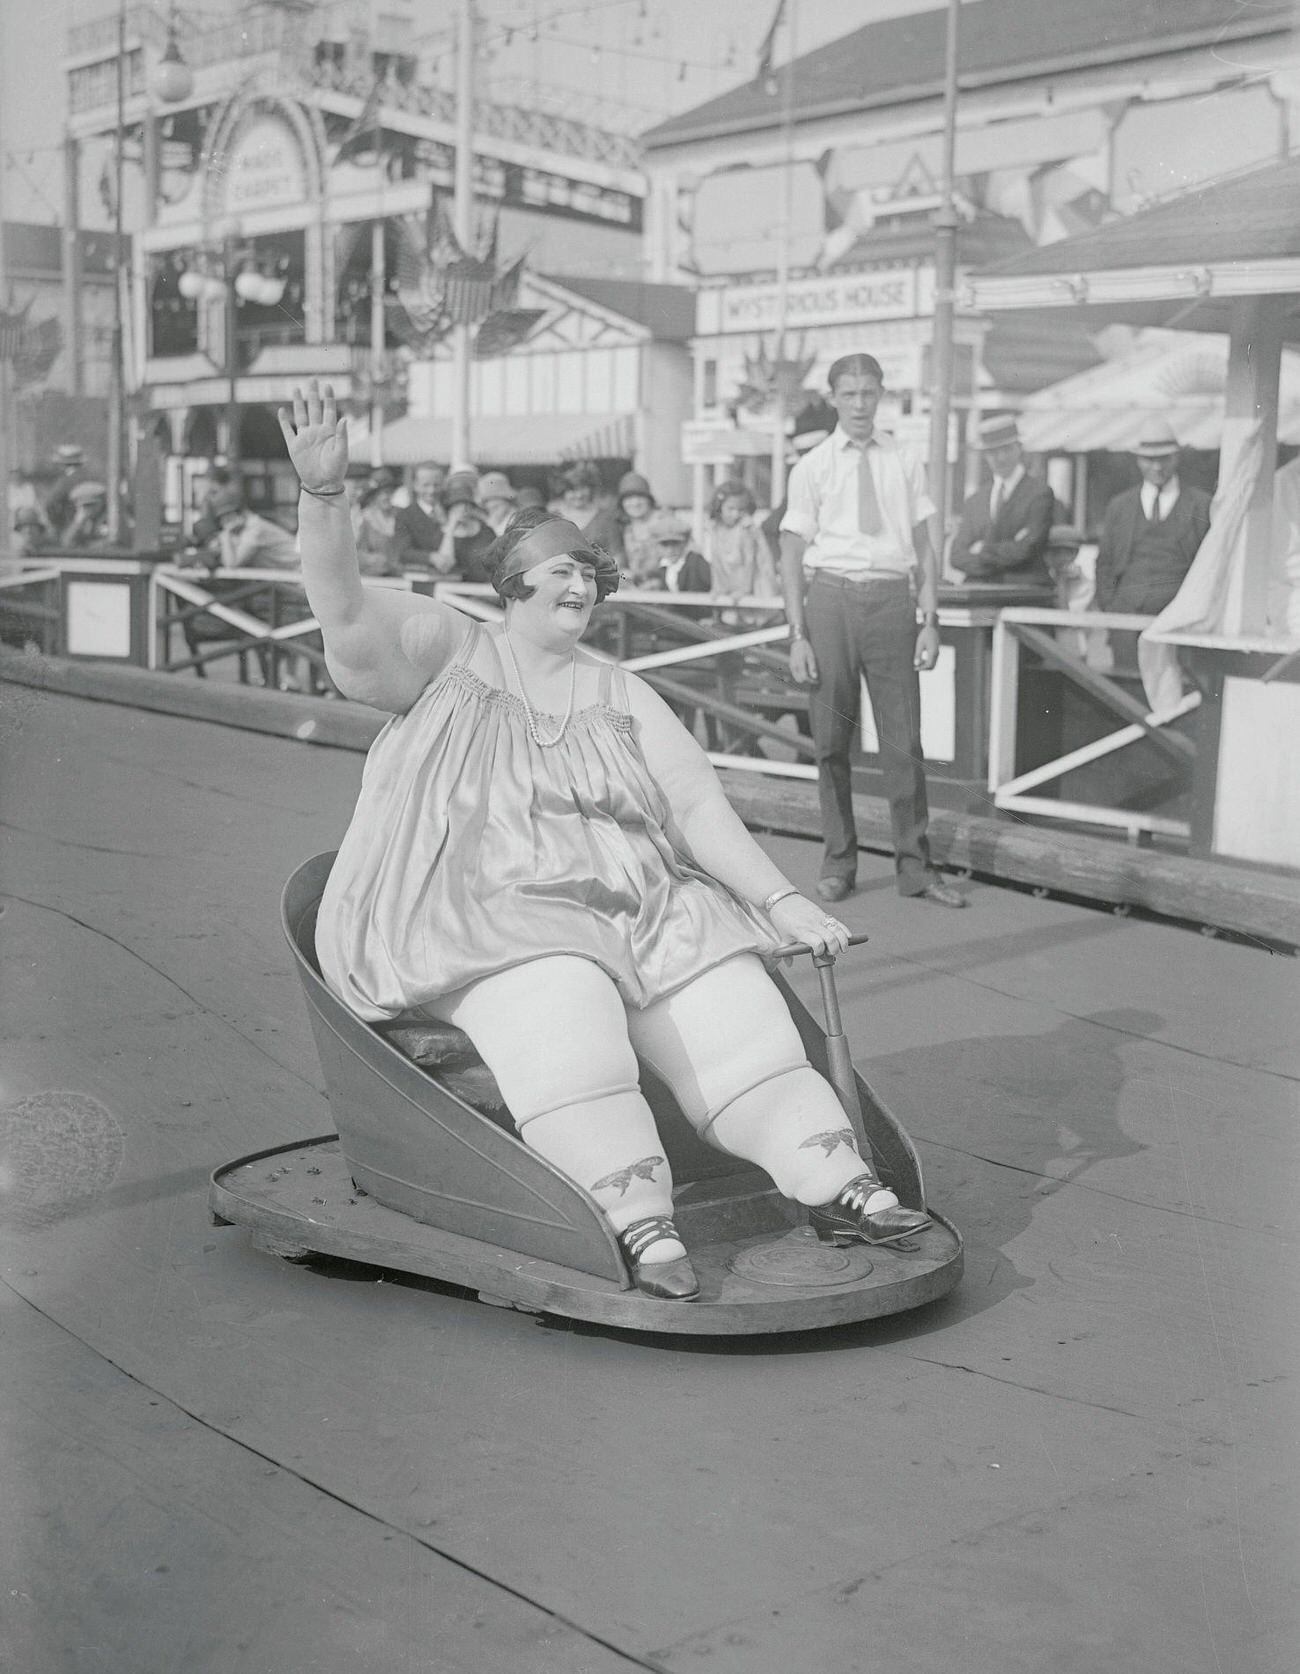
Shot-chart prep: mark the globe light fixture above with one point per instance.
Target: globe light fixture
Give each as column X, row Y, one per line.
column 172, row 80
column 248, row 285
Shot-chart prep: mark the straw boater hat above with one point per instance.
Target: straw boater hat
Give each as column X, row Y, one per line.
column 997, row 431
column 1156, row 440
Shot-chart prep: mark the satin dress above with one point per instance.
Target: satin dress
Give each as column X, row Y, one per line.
column 473, row 849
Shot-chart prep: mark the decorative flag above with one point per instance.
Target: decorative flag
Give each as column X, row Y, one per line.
column 362, row 133
column 767, row 48
column 31, row 349
column 505, row 330
column 442, row 286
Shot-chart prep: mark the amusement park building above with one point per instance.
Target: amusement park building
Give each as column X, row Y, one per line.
column 316, row 142
column 1068, row 116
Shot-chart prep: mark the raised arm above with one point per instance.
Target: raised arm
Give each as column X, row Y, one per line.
column 714, row 832
column 382, row 645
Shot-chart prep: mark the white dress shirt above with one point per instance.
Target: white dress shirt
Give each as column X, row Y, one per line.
column 822, row 506
column 1168, row 498
column 1002, row 488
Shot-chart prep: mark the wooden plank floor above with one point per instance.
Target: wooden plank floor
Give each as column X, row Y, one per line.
column 1080, row 1460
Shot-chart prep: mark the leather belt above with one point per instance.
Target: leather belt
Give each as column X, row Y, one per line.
column 855, row 584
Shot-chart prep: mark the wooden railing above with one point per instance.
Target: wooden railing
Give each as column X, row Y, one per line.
column 1053, row 640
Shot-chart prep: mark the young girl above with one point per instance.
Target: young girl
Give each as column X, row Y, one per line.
column 738, row 554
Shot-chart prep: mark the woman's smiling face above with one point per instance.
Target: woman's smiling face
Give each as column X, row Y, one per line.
column 564, row 591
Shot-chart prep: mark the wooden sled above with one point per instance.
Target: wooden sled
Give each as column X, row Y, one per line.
column 419, row 1180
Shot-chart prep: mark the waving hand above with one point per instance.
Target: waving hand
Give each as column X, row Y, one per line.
column 317, row 439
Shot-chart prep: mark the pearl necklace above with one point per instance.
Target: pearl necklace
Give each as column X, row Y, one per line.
column 534, row 730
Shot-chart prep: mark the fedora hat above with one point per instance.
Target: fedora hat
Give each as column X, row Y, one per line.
column 1156, row 440
column 997, row 431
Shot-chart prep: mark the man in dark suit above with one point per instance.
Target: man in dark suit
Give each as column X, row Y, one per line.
column 420, row 525
column 1151, row 533
column 1005, row 523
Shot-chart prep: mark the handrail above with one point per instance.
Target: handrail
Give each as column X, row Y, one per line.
column 1023, row 627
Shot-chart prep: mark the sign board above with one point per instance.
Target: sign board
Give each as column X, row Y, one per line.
column 843, row 299
column 710, row 442
column 264, row 167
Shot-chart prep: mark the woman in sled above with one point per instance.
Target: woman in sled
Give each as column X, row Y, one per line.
column 543, row 856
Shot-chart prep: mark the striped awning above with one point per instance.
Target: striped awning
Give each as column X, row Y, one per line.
column 1179, row 377
column 497, row 439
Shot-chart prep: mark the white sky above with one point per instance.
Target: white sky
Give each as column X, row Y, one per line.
column 679, row 53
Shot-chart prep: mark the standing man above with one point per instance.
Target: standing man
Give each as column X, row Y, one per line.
column 419, row 525
column 1006, row 522
column 59, row 509
column 854, row 533
column 1151, row 533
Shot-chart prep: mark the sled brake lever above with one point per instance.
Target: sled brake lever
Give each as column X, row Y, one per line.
column 792, row 950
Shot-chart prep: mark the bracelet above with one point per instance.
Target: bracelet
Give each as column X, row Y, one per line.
column 322, row 493
column 778, row 895
column 797, row 634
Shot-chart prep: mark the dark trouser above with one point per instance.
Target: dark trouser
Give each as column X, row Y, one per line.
column 868, row 629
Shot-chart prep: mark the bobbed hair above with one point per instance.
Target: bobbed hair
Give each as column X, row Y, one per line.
column 730, row 491
column 514, row 586
column 854, row 366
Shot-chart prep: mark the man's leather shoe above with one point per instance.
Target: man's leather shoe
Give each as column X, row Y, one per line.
column 835, row 889
column 845, row 1219
column 672, row 1281
column 943, row 895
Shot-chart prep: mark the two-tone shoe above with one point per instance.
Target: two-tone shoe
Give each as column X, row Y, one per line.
column 673, row 1281
column 846, row 1220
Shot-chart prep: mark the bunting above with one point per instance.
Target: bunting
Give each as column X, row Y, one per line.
column 504, row 330
column 442, row 286
column 31, row 349
column 364, row 127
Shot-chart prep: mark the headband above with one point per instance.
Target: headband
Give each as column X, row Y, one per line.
column 555, row 538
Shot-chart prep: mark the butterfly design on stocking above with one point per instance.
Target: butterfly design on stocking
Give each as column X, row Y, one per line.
column 623, row 1177
column 829, row 1140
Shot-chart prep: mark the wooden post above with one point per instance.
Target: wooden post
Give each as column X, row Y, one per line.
column 461, row 455
column 72, row 265
column 1254, row 369
column 377, row 283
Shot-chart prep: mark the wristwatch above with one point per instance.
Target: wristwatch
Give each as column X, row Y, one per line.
column 929, row 619
column 797, row 633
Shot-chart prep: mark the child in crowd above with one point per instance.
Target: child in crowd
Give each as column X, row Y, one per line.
column 737, row 554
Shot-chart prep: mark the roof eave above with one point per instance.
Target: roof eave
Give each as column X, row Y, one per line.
column 1105, row 287
column 971, row 81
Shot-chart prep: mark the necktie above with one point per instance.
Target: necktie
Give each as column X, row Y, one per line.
column 995, row 499
column 1155, row 506
column 870, row 521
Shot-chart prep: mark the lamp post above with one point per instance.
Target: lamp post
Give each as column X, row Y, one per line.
column 945, row 277
column 116, row 369
column 172, row 83
column 463, row 206
column 231, row 276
